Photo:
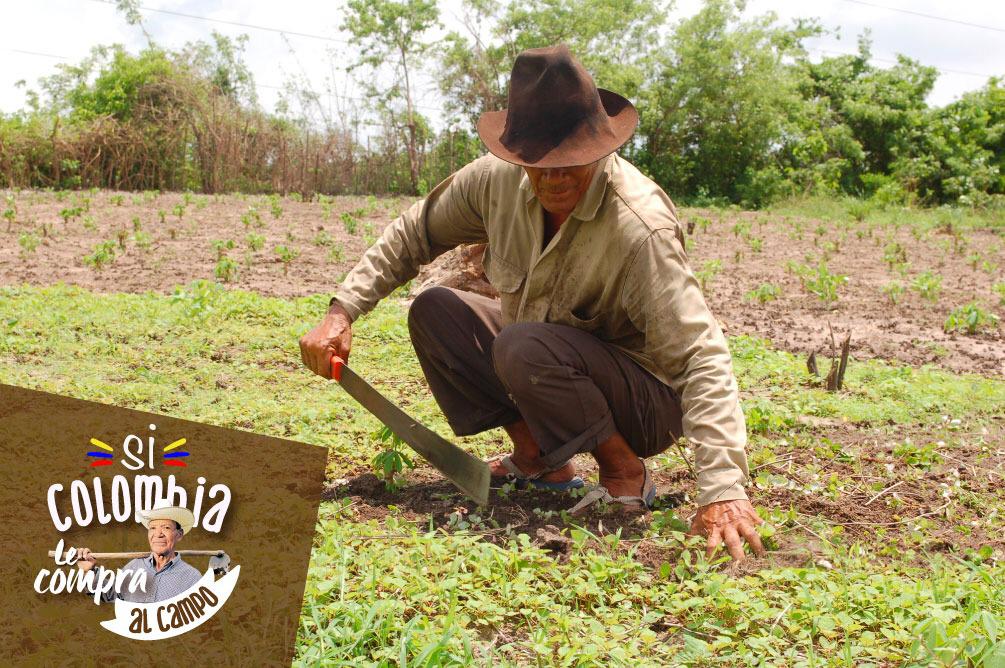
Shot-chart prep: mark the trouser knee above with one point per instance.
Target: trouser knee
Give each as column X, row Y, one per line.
column 521, row 354
column 427, row 308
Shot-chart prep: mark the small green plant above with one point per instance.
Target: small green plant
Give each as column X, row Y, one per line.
column 919, row 456
column 117, row 200
column 928, row 285
column 10, row 212
column 277, row 210
column 286, row 256
column 894, row 253
column 221, row 247
column 756, row 244
column 89, row 224
column 390, row 462
column 763, row 293
column 121, row 235
column 142, row 240
column 251, row 218
column 28, row 243
column 741, row 228
column 336, row 253
column 999, row 289
column 322, row 238
column 70, row 213
column 350, row 223
column 103, row 255
column 137, row 225
column 894, row 290
column 824, row 284
column 179, row 210
column 198, row 299
column 225, row 270
column 706, row 275
column 162, row 214
column 256, row 242
column 970, row 319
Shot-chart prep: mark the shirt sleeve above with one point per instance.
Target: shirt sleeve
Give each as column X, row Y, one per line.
column 449, row 216
column 663, row 300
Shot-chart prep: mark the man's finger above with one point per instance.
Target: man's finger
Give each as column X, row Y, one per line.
column 714, row 540
column 697, row 526
column 733, row 542
column 753, row 538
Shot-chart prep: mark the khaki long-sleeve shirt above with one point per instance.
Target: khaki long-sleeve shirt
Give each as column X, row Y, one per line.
column 616, row 268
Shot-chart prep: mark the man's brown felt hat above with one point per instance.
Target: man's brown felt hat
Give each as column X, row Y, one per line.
column 557, row 117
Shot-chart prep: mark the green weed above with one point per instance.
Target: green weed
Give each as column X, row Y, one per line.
column 29, row 243
column 894, row 290
column 970, row 319
column 928, row 285
column 102, row 255
column 764, row 293
column 286, row 256
column 706, row 275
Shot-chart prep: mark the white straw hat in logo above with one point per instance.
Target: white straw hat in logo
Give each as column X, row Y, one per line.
column 182, row 516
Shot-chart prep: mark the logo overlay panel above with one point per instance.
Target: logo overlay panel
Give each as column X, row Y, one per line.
column 126, row 528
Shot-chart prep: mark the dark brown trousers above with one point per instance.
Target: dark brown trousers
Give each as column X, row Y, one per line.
column 572, row 389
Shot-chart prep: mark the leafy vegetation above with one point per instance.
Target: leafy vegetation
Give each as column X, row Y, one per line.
column 382, row 589
column 764, row 293
column 102, row 255
column 970, row 319
column 733, row 108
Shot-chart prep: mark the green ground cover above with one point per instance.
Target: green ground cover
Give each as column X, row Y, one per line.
column 396, row 592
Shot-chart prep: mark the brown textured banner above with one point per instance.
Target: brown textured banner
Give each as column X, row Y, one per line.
column 79, row 474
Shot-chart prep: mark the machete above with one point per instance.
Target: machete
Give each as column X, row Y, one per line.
column 462, row 468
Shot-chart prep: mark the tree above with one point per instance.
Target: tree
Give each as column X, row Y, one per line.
column 603, row 34
column 717, row 111
column 389, row 33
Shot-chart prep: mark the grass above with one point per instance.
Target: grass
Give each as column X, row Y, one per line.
column 400, row 592
column 849, row 209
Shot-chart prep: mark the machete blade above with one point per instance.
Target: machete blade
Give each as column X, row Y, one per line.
column 462, row 468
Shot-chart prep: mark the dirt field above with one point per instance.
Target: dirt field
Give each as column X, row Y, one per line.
column 866, row 458
column 163, row 249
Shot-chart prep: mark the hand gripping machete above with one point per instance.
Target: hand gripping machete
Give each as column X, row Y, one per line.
column 462, row 468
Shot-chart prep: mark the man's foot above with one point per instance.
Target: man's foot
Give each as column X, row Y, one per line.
column 531, row 468
column 625, row 477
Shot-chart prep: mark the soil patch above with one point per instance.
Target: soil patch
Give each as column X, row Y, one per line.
column 752, row 248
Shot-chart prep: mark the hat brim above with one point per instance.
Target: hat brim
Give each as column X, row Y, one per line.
column 182, row 516
column 571, row 151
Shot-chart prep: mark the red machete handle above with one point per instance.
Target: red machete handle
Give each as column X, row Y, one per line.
column 336, row 363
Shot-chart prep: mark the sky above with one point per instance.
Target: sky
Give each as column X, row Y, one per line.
column 35, row 36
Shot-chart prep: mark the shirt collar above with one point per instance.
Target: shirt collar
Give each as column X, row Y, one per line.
column 587, row 207
column 153, row 564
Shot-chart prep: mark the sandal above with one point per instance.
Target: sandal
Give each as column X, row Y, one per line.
column 600, row 493
column 522, row 479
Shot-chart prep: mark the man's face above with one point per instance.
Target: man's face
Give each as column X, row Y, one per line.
column 559, row 189
column 163, row 534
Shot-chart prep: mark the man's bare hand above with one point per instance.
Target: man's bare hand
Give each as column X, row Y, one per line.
column 726, row 522
column 333, row 336
column 85, row 560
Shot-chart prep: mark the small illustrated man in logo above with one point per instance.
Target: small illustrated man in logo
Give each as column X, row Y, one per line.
column 166, row 575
